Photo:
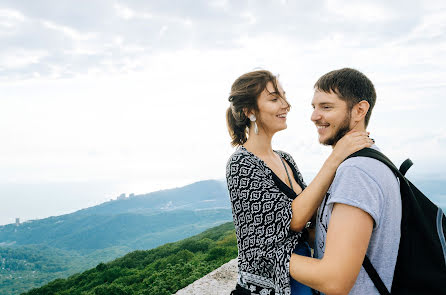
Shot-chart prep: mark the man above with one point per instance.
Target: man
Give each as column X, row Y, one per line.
column 361, row 213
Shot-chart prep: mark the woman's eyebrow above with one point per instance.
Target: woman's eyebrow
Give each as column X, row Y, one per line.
column 277, row 93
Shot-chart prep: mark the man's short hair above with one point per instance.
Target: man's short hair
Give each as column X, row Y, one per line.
column 351, row 86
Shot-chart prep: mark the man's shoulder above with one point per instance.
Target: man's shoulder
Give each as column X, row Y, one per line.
column 362, row 163
column 372, row 170
column 366, row 164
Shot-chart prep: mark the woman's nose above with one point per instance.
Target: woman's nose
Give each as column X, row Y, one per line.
column 285, row 103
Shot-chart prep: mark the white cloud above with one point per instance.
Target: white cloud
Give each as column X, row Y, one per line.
column 20, row 58
column 127, row 13
column 360, row 11
column 140, row 103
column 219, row 4
column 124, row 12
column 10, row 20
column 11, row 15
column 249, row 17
column 433, row 25
column 70, row 32
column 163, row 30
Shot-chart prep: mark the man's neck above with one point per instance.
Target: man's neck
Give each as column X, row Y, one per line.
column 358, row 127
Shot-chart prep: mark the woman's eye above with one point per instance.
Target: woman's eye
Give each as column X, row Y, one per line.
column 275, row 99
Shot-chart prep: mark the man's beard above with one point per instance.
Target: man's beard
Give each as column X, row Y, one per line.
column 344, row 127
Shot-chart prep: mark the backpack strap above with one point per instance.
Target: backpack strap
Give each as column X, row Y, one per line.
column 405, row 166
column 377, row 155
column 374, row 276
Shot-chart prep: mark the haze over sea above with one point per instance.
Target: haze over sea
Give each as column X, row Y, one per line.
column 118, row 97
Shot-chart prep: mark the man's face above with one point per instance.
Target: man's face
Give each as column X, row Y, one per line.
column 331, row 117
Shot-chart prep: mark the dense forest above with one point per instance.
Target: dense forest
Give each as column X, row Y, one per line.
column 25, row 267
column 163, row 270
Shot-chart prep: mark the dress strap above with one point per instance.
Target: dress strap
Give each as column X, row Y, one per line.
column 287, row 174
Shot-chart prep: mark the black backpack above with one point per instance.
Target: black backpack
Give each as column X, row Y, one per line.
column 421, row 262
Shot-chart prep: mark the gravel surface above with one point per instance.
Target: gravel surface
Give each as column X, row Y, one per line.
column 219, row 282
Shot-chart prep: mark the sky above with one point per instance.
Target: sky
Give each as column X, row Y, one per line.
column 99, row 98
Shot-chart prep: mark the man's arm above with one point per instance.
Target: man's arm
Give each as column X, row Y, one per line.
column 348, row 237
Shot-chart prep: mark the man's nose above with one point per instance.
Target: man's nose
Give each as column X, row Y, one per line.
column 315, row 116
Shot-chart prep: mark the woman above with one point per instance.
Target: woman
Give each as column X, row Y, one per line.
column 264, row 184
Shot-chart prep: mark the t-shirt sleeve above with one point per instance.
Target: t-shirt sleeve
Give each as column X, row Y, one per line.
column 353, row 186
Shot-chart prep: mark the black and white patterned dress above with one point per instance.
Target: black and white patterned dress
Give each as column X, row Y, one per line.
column 262, row 216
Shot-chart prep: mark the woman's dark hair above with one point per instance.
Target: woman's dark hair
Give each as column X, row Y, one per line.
column 243, row 98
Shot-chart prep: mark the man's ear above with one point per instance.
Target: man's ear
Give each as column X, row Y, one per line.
column 360, row 110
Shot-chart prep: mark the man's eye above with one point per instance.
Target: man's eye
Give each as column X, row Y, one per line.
column 275, row 99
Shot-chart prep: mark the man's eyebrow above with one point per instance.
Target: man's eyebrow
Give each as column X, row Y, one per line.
column 323, row 103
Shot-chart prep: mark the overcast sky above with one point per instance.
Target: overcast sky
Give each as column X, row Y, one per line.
column 99, row 98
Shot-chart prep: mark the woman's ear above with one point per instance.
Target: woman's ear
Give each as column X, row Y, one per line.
column 247, row 113
column 360, row 110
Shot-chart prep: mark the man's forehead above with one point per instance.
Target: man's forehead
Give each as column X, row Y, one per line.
column 321, row 97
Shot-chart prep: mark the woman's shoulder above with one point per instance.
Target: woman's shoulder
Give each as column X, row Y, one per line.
column 243, row 159
column 286, row 156
column 241, row 156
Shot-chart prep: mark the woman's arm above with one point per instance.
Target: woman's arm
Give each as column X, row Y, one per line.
column 304, row 206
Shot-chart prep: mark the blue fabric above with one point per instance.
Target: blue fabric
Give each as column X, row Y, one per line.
column 296, row 287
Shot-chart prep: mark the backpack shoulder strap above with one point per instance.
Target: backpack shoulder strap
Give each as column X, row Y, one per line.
column 377, row 155
column 371, row 271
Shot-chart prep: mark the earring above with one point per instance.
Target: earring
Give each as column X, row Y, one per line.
column 253, row 118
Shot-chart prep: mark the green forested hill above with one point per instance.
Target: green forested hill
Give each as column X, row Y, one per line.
column 25, row 267
column 39, row 251
column 163, row 270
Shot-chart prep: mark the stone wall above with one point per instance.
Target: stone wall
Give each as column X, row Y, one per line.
column 219, row 282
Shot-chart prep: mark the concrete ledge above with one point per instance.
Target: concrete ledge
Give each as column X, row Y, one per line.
column 219, row 282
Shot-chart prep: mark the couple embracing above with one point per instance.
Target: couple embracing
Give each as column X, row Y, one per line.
column 351, row 209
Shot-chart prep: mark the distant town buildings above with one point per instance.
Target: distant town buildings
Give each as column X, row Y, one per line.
column 121, row 197
column 17, row 221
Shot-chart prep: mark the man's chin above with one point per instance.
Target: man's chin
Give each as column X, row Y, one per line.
column 328, row 141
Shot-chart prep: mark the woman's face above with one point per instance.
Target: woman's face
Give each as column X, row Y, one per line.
column 273, row 109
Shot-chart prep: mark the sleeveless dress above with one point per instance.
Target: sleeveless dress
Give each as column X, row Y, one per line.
column 262, row 216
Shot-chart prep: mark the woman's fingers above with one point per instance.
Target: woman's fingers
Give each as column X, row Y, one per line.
column 358, row 139
column 352, row 142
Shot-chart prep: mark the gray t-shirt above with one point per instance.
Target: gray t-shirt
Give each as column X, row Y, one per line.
column 370, row 185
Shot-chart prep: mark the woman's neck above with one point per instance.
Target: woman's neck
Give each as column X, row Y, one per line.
column 259, row 144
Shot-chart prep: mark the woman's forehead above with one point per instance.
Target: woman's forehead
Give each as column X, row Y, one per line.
column 270, row 87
